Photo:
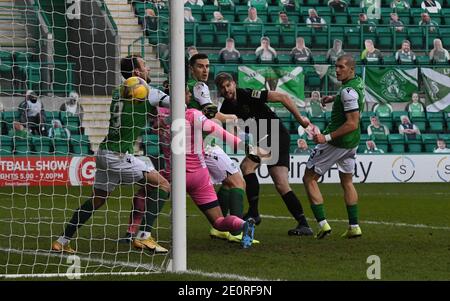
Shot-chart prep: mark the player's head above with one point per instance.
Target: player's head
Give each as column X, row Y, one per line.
column 226, row 85
column 134, row 65
column 73, row 97
column 345, row 68
column 199, row 64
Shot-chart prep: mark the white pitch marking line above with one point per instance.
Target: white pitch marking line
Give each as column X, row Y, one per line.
column 130, row 264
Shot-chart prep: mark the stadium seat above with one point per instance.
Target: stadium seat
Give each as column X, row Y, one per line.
column 284, row 59
column 397, row 143
column 365, row 119
column 248, row 58
column 447, row 120
column 61, row 146
column 384, row 40
column 353, row 38
column 254, row 34
column 22, row 146
column 10, row 116
column 414, row 145
column 71, row 122
column 429, row 141
column 305, row 33
column 382, row 143
column 205, row 35
column 435, row 121
column 239, row 33
column 80, row 145
column 419, row 121
column 6, row 145
column 362, row 143
column 445, row 137
column 42, row 145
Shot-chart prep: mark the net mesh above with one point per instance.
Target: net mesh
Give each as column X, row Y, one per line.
column 47, row 170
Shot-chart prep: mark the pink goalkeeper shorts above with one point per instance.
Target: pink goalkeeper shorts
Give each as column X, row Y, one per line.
column 199, row 187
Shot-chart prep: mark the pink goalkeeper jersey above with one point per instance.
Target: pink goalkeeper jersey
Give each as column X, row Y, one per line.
column 196, row 125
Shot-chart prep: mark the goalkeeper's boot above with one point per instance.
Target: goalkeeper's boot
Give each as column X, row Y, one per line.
column 127, row 239
column 352, row 232
column 256, row 218
column 60, row 248
column 324, row 231
column 238, row 239
column 149, row 244
column 216, row 234
column 248, row 233
column 301, row 230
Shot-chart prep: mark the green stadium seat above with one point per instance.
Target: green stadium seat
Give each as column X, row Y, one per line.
column 61, row 146
column 447, row 120
column 446, row 138
column 419, row 121
column 22, row 146
column 10, row 116
column 414, row 145
column 205, row 35
column 320, row 39
column 423, row 60
column 389, row 60
column 190, row 35
column 382, row 143
column 273, row 32
column 254, row 34
column 362, row 143
column 415, row 36
column 42, row 145
column 435, row 121
column 284, row 59
column 239, row 33
column 71, row 122
column 305, row 33
column 232, row 69
column 397, row 143
column 213, row 58
column 384, row 40
column 221, row 32
column 429, row 141
column 248, row 58
column 445, row 15
column 80, row 145
column 353, row 38
column 6, row 145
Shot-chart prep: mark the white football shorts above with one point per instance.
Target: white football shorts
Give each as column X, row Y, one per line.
column 219, row 164
column 324, row 156
column 115, row 168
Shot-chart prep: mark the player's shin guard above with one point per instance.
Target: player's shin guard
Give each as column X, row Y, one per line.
column 223, row 196
column 155, row 203
column 79, row 217
column 137, row 211
column 229, row 223
column 252, row 190
column 295, row 207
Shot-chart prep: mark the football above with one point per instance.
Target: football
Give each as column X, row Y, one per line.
column 135, row 89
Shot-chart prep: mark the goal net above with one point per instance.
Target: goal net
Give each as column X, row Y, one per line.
column 56, row 55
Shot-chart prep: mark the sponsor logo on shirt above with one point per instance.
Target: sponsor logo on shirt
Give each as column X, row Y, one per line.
column 256, row 94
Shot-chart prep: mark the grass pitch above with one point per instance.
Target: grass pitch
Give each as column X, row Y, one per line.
column 406, row 225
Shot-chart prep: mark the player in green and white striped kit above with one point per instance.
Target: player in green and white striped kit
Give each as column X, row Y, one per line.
column 338, row 145
column 116, row 163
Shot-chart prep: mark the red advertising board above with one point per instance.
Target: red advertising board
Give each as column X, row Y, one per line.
column 47, row 171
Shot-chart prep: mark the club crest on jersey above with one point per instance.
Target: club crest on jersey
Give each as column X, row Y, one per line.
column 256, row 94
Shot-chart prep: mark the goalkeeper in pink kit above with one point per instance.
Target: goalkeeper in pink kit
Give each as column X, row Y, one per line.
column 198, row 181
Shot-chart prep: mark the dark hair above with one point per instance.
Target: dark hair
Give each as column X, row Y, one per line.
column 128, row 64
column 221, row 78
column 195, row 57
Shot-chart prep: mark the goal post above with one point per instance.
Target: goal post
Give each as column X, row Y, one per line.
column 44, row 178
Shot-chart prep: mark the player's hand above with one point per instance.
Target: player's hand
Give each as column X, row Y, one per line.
column 210, row 110
column 326, row 99
column 319, row 139
column 312, row 130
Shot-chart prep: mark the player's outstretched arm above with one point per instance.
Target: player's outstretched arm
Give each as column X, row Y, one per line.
column 288, row 104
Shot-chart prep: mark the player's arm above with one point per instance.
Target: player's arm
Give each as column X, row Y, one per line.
column 158, row 98
column 287, row 102
column 349, row 98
